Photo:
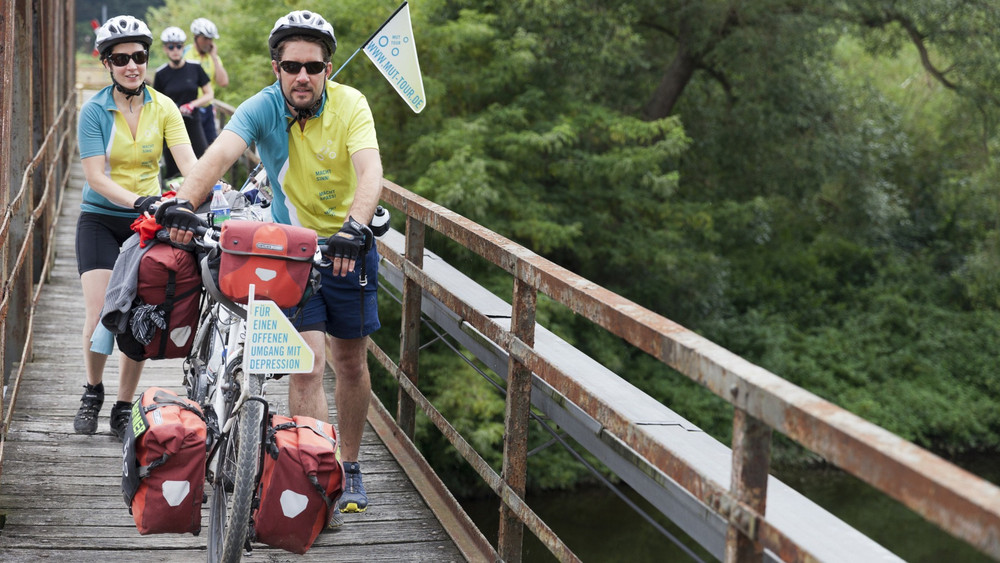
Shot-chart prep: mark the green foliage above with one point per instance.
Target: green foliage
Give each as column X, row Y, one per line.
column 821, row 199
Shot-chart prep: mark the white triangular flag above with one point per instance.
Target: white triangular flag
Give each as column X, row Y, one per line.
column 394, row 53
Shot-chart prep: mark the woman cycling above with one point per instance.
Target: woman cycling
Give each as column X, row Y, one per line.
column 121, row 135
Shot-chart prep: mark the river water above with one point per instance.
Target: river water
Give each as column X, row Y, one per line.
column 598, row 526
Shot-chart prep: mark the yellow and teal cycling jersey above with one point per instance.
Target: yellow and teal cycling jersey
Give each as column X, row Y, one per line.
column 310, row 170
column 132, row 163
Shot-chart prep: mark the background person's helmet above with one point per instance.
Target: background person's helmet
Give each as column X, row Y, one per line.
column 204, row 26
column 122, row 29
column 302, row 22
column 173, row 34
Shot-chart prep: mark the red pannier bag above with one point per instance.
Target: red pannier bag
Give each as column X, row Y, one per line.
column 302, row 478
column 169, row 285
column 276, row 258
column 163, row 470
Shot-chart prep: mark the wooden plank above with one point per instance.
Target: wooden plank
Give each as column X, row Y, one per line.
column 77, row 510
column 437, row 551
column 126, row 537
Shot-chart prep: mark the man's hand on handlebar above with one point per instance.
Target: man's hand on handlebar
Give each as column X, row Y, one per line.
column 351, row 242
column 178, row 216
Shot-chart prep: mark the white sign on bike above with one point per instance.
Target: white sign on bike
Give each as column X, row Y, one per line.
column 272, row 343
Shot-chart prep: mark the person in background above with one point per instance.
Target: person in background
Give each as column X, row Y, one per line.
column 121, row 135
column 316, row 139
column 189, row 87
column 204, row 52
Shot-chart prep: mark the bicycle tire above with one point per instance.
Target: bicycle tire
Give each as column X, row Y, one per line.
column 229, row 513
column 247, row 430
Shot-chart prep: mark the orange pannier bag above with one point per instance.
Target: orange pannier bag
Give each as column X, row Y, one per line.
column 275, row 258
column 301, row 480
column 163, row 471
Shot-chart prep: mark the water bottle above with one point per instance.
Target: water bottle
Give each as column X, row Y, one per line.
column 220, row 206
column 380, row 221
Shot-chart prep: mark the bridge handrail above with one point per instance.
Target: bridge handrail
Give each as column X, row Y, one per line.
column 37, row 113
column 957, row 501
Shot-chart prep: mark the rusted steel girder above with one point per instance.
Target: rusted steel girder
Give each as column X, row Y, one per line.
column 517, row 506
column 748, row 483
column 966, row 506
column 410, row 338
column 517, row 410
column 708, row 491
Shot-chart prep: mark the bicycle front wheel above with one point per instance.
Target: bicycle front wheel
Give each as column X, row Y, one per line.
column 236, row 479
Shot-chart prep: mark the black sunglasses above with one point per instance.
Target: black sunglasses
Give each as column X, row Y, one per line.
column 121, row 59
column 293, row 67
column 173, row 46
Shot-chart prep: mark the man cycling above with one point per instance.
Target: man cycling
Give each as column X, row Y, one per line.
column 317, row 141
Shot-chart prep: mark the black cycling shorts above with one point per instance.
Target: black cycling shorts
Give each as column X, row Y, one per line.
column 99, row 238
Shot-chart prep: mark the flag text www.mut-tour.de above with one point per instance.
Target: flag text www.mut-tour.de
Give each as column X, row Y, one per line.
column 392, row 49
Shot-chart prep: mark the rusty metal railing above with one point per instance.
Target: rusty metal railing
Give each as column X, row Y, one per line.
column 37, row 144
column 957, row 501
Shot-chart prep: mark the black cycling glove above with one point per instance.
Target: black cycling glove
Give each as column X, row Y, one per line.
column 351, row 241
column 143, row 203
column 176, row 213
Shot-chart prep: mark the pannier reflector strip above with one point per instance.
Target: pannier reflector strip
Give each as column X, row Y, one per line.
column 265, row 274
column 174, row 492
column 292, row 503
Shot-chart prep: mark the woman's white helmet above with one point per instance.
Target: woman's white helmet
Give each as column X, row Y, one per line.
column 122, row 29
column 302, row 22
column 173, row 34
column 204, row 26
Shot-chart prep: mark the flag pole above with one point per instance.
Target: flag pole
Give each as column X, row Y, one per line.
column 369, row 40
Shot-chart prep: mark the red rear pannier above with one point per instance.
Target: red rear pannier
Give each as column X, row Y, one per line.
column 169, row 282
column 276, row 258
column 163, row 473
column 302, row 478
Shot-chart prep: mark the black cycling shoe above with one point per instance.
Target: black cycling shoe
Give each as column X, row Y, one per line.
column 121, row 413
column 90, row 405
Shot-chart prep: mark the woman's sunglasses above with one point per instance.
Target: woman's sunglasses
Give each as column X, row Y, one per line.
column 293, row 67
column 121, row 59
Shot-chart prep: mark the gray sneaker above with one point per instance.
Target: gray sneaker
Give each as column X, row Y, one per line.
column 90, row 405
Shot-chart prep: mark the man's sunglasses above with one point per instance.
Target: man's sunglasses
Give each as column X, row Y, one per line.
column 121, row 59
column 293, row 67
column 173, row 46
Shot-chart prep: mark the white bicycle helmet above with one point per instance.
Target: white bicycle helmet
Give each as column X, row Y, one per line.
column 173, row 34
column 204, row 26
column 302, row 22
column 122, row 29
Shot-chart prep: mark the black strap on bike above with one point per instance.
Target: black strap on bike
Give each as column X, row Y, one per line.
column 167, row 306
column 363, row 281
column 162, row 399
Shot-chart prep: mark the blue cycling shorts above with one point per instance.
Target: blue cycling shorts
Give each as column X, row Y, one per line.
column 341, row 307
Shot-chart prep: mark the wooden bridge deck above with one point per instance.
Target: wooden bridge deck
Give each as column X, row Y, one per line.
column 60, row 492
